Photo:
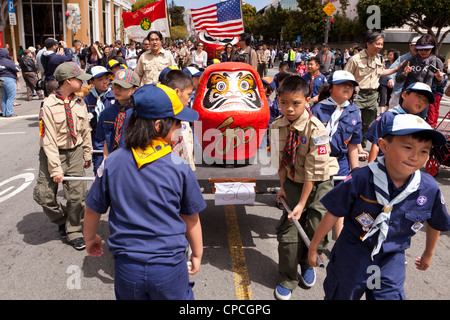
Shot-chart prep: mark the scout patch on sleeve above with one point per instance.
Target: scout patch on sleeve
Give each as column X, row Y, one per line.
column 322, row 149
column 41, row 128
column 321, row 140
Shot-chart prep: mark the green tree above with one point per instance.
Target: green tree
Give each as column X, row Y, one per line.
column 422, row 16
column 140, row 4
column 176, row 16
column 178, row 32
column 311, row 19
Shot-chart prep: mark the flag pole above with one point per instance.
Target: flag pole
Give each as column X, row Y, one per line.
column 167, row 16
column 242, row 17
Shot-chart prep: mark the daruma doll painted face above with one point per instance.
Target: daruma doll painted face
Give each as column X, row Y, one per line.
column 233, row 111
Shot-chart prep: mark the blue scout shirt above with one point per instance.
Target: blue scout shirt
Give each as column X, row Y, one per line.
column 105, row 126
column 318, row 82
column 91, row 103
column 145, row 205
column 357, row 203
column 349, row 131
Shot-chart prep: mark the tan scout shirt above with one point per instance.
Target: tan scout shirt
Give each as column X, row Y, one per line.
column 367, row 70
column 313, row 161
column 56, row 134
column 150, row 65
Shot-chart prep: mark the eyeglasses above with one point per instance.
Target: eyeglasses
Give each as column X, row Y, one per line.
column 146, row 44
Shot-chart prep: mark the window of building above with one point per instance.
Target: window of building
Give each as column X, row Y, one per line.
column 42, row 19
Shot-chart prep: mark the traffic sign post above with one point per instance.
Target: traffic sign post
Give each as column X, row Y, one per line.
column 12, row 23
column 329, row 9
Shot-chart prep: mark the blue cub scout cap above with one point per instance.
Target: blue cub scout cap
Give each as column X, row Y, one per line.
column 157, row 101
column 404, row 124
column 342, row 76
column 422, row 88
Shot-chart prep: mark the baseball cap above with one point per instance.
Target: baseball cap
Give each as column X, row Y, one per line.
column 424, row 43
column 423, row 89
column 269, row 81
column 98, row 71
column 404, row 124
column 126, row 78
column 158, row 101
column 192, row 71
column 69, row 70
column 113, row 63
column 342, row 76
column 165, row 71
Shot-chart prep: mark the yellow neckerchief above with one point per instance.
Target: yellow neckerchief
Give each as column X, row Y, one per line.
column 158, row 149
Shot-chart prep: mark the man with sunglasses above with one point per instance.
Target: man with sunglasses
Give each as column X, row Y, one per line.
column 154, row 59
column 367, row 67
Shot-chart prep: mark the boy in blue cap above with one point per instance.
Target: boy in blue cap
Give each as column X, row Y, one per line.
column 154, row 200
column 113, row 121
column 99, row 98
column 384, row 204
column 416, row 98
column 342, row 119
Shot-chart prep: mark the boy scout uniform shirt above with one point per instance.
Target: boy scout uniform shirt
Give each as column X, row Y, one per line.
column 358, row 204
column 145, row 205
column 366, row 70
column 55, row 134
column 105, row 125
column 349, row 131
column 150, row 65
column 312, row 160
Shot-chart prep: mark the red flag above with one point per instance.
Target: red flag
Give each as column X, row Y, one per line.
column 152, row 17
column 223, row 19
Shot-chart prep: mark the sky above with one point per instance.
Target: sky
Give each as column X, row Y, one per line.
column 195, row 4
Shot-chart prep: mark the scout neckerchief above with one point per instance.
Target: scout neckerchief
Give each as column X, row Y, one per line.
column 398, row 110
column 311, row 83
column 333, row 123
column 290, row 149
column 70, row 124
column 99, row 106
column 382, row 193
column 118, row 124
column 158, row 148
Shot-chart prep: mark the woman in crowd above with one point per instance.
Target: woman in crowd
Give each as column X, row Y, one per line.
column 200, row 57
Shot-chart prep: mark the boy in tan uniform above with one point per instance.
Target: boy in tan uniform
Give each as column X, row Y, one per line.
column 65, row 151
column 301, row 154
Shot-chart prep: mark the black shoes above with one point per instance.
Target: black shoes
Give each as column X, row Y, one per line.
column 77, row 243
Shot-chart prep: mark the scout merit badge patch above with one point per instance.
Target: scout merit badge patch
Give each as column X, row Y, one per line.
column 366, row 221
column 158, row 149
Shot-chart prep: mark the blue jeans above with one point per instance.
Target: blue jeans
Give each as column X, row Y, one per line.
column 8, row 95
column 134, row 280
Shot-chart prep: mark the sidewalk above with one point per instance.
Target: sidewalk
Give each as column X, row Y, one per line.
column 25, row 108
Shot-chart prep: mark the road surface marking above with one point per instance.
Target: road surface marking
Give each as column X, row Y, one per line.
column 238, row 265
column 28, row 177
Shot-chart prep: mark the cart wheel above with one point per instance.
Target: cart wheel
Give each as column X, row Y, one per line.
column 432, row 167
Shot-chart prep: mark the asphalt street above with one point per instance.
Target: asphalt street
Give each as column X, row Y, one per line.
column 240, row 246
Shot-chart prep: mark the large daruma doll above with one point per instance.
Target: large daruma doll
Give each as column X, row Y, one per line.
column 233, row 112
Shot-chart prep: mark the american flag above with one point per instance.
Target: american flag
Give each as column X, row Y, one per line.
column 223, row 19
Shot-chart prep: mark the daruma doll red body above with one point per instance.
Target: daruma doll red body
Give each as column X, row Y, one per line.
column 233, row 111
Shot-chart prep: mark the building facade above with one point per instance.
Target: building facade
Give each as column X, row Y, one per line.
column 85, row 20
